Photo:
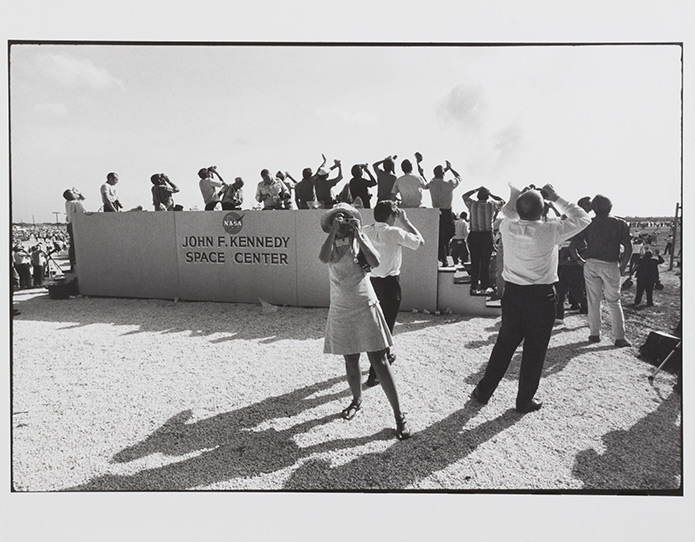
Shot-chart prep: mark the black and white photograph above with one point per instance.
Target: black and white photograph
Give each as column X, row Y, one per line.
column 406, row 278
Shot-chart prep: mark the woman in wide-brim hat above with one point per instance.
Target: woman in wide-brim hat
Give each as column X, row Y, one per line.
column 356, row 322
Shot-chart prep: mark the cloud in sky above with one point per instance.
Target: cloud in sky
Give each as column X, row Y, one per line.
column 464, row 106
column 51, row 109
column 72, row 71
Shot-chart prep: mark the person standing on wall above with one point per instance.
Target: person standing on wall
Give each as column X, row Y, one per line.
column 387, row 239
column 323, row 186
column 442, row 193
column 271, row 192
column 162, row 192
column 232, row 196
column 603, row 267
column 73, row 205
column 290, row 185
column 304, row 195
column 408, row 187
column 528, row 303
column 385, row 177
column 209, row 186
column 480, row 242
column 108, row 194
column 359, row 186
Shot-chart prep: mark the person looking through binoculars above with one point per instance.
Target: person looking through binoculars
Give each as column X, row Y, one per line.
column 209, row 186
column 162, row 191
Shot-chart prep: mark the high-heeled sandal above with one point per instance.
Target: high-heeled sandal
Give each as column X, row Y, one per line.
column 352, row 409
column 402, row 429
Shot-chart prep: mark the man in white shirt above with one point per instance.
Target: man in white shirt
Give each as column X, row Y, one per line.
column 388, row 240
column 108, row 194
column 528, row 303
column 409, row 186
column 210, row 187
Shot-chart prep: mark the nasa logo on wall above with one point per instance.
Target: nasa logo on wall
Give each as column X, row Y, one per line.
column 233, row 222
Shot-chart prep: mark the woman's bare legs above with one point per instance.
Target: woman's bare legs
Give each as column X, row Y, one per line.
column 354, row 378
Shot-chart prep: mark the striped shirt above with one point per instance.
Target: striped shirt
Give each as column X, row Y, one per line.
column 482, row 213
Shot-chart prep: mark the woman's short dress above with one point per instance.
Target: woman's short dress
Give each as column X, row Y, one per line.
column 355, row 322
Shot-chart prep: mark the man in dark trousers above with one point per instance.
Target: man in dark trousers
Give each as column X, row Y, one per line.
column 528, row 303
column 480, row 243
column 388, row 239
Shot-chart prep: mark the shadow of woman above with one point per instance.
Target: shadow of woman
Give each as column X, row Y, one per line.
column 646, row 457
column 226, row 445
column 405, row 464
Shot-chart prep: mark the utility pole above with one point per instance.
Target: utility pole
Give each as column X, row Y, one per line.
column 674, row 233
column 56, row 213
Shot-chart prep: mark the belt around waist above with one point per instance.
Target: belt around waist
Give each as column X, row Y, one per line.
column 528, row 287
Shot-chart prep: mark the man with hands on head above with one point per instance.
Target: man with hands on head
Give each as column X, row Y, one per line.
column 387, row 239
column 385, row 176
column 480, row 238
column 528, row 303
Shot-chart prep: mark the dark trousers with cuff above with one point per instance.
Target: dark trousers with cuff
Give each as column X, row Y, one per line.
column 446, row 227
column 528, row 314
column 388, row 291
column 480, row 246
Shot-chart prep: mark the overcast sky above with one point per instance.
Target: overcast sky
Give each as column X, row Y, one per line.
column 590, row 119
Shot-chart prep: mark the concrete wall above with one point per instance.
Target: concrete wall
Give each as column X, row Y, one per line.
column 230, row 256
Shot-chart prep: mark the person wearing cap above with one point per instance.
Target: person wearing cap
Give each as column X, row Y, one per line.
column 442, row 192
column 528, row 302
column 387, row 239
column 385, row 177
column 323, row 186
column 209, row 187
column 480, row 242
column 408, row 187
column 270, row 192
column 604, row 264
column 355, row 322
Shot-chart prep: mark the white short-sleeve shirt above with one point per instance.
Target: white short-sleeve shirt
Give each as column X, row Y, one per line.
column 388, row 240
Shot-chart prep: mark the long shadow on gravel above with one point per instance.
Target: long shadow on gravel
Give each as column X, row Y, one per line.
column 229, row 445
column 406, row 463
column 645, row 458
column 556, row 359
column 198, row 319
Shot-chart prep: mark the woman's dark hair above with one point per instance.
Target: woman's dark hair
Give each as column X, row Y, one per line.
column 68, row 195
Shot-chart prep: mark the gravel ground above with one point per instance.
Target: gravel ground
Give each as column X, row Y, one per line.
column 134, row 394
